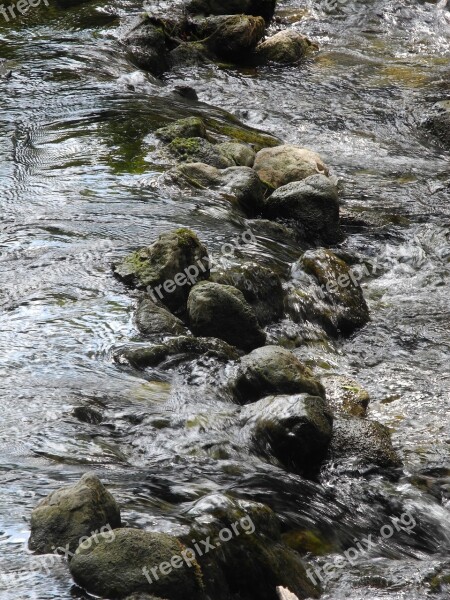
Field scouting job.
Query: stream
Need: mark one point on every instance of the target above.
(79, 189)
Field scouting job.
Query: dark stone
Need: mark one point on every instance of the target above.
(146, 46)
(153, 319)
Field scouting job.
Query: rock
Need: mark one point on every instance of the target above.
(273, 370)
(167, 268)
(312, 204)
(240, 183)
(263, 8)
(115, 568)
(362, 442)
(221, 311)
(71, 513)
(284, 47)
(192, 127)
(254, 560)
(340, 290)
(261, 288)
(86, 414)
(231, 37)
(199, 150)
(153, 319)
(283, 164)
(144, 355)
(292, 430)
(189, 54)
(146, 46)
(345, 395)
(438, 121)
(241, 154)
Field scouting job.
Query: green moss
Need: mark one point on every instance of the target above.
(185, 146)
(238, 132)
(186, 237)
(305, 540)
(438, 581)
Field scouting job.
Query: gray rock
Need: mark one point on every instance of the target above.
(221, 311)
(342, 292)
(345, 395)
(280, 165)
(272, 370)
(242, 154)
(199, 150)
(167, 268)
(261, 288)
(183, 347)
(284, 47)
(114, 568)
(146, 46)
(312, 204)
(263, 8)
(153, 319)
(71, 513)
(292, 430)
(192, 127)
(362, 442)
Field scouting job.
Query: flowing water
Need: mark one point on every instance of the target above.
(79, 189)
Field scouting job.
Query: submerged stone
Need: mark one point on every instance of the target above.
(72, 513)
(221, 311)
(294, 430)
(438, 121)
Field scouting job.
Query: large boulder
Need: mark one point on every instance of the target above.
(199, 150)
(273, 370)
(231, 37)
(263, 8)
(339, 288)
(293, 430)
(261, 287)
(192, 127)
(182, 348)
(284, 47)
(241, 184)
(438, 121)
(122, 566)
(283, 164)
(312, 205)
(153, 319)
(71, 513)
(221, 311)
(168, 268)
(146, 46)
(362, 442)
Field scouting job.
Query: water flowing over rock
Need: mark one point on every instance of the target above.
(263, 8)
(72, 513)
(221, 311)
(295, 430)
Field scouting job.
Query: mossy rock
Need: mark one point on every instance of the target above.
(235, 130)
(199, 150)
(191, 127)
(241, 154)
(272, 370)
(307, 541)
(346, 395)
(115, 568)
(72, 513)
(285, 47)
(168, 268)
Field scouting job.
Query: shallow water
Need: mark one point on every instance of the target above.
(78, 191)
